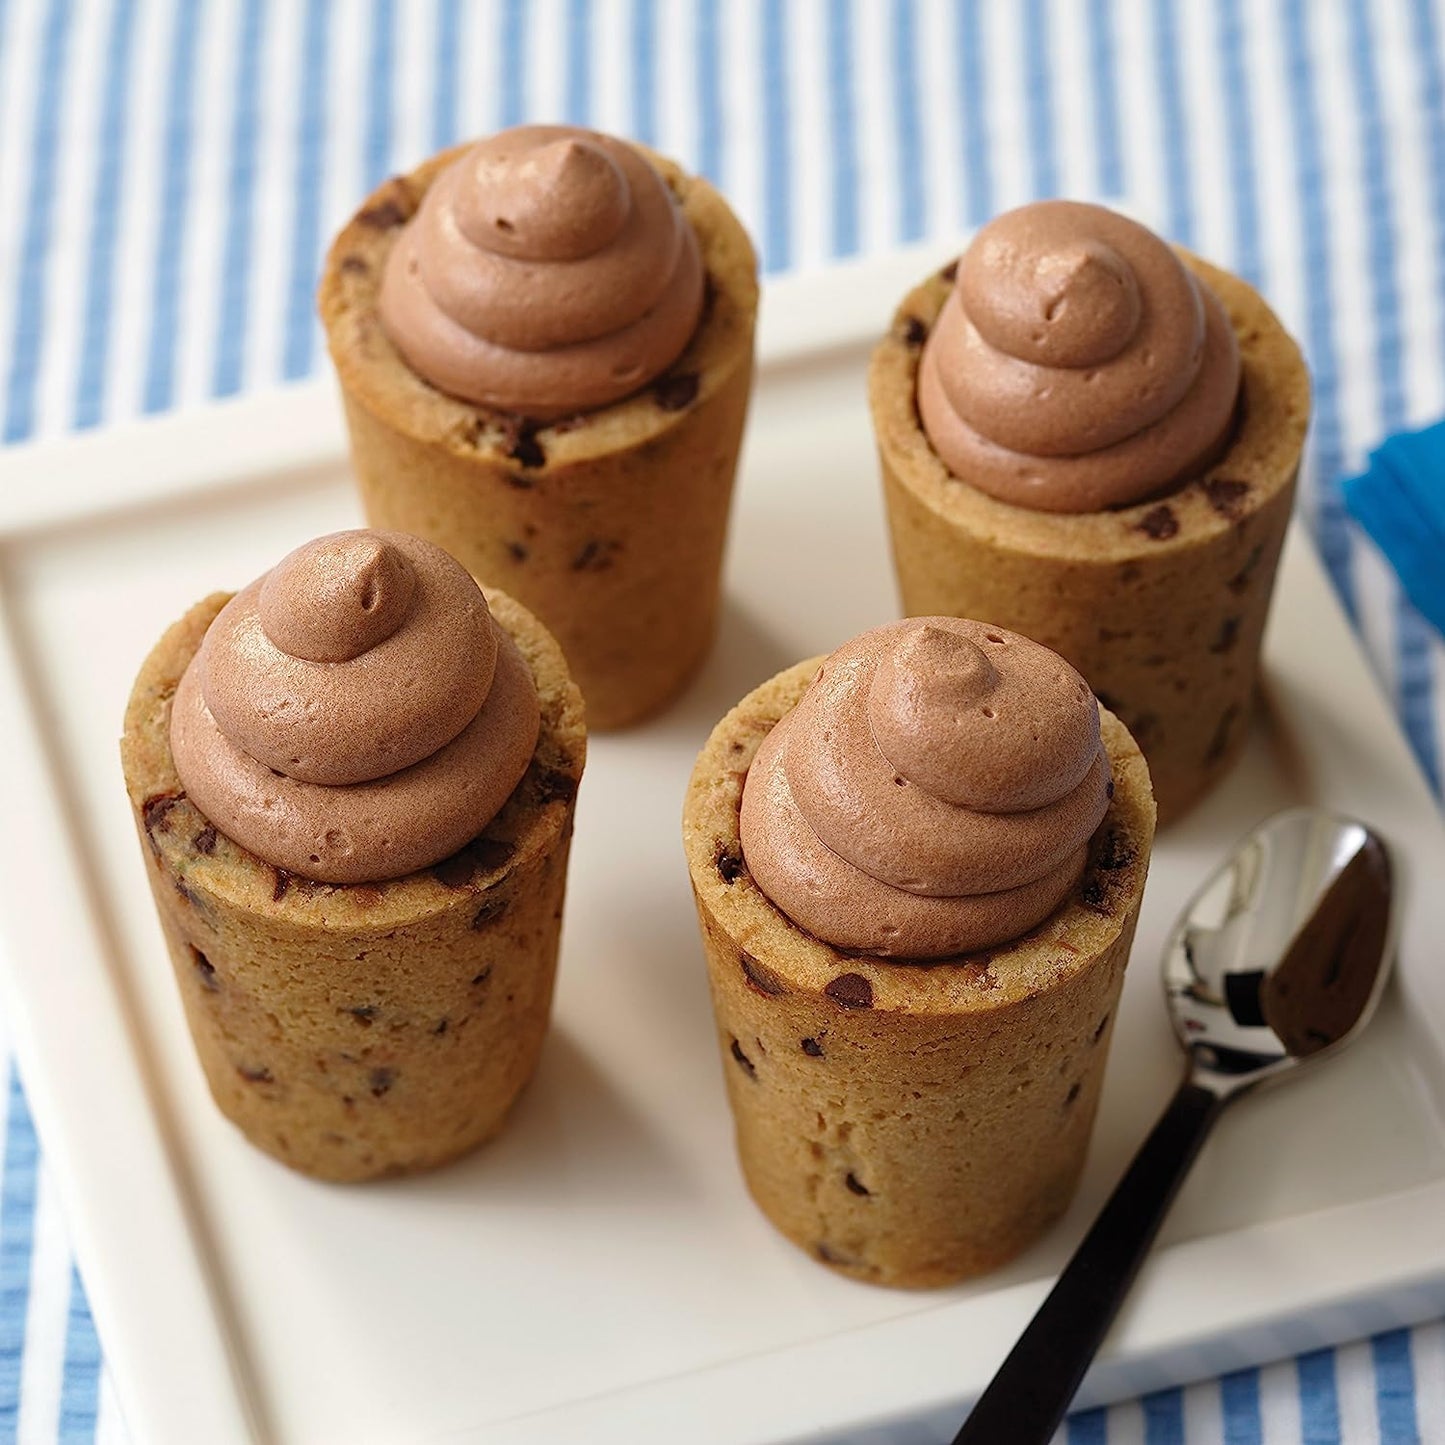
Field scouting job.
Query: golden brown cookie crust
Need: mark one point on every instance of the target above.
(373, 371)
(1260, 461)
(909, 1124)
(1161, 605)
(362, 1029)
(609, 525)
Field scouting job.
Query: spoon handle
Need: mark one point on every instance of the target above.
(1027, 1398)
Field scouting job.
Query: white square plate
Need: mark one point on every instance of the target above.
(599, 1273)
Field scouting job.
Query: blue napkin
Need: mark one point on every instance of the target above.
(1400, 501)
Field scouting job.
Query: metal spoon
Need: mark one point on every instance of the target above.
(1278, 960)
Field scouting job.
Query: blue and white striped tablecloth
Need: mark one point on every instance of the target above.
(170, 171)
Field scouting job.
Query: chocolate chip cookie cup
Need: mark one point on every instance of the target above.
(370, 997)
(1145, 557)
(911, 1120)
(545, 349)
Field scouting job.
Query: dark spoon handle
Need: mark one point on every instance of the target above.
(1027, 1398)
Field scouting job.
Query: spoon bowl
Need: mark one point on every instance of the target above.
(1277, 962)
(1282, 955)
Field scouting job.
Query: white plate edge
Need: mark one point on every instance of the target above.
(259, 437)
(118, 1155)
(1308, 1311)
(716, 1405)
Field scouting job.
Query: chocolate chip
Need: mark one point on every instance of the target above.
(441, 1027)
(522, 484)
(355, 266)
(489, 913)
(596, 556)
(813, 1048)
(481, 855)
(829, 1255)
(1073, 1093)
(1099, 1032)
(281, 886)
(556, 786)
(482, 977)
(383, 215)
(517, 551)
(205, 971)
(1219, 744)
(255, 1075)
(1225, 495)
(528, 451)
(188, 894)
(1094, 896)
(915, 333)
(1159, 523)
(1116, 852)
(855, 1186)
(381, 1081)
(851, 990)
(519, 441)
(676, 392)
(1227, 635)
(1242, 578)
(744, 1061)
(1109, 790)
(364, 1014)
(155, 810)
(730, 865)
(949, 272)
(205, 840)
(759, 977)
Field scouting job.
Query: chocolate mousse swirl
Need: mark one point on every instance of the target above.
(355, 714)
(548, 270)
(1078, 364)
(934, 792)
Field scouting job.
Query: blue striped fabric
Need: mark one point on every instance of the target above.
(240, 202)
(973, 101)
(80, 1384)
(1319, 1399)
(170, 171)
(17, 1235)
(1314, 231)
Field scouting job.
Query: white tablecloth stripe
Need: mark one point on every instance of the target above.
(170, 171)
